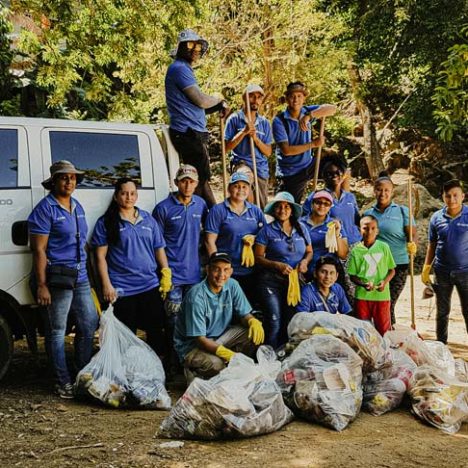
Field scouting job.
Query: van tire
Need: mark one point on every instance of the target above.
(6, 346)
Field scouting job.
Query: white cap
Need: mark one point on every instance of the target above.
(254, 88)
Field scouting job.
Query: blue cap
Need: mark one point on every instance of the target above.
(239, 177)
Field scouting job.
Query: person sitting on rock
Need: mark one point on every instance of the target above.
(205, 336)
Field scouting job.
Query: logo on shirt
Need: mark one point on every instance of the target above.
(147, 228)
(372, 262)
(60, 218)
(196, 215)
(176, 217)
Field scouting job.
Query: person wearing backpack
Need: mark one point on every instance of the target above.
(394, 229)
(57, 230)
(293, 135)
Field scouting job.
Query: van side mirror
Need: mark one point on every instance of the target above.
(19, 233)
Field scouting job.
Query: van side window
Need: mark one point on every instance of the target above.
(9, 158)
(104, 157)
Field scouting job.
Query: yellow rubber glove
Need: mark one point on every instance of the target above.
(224, 353)
(425, 275)
(294, 290)
(256, 332)
(165, 285)
(411, 248)
(248, 259)
(330, 238)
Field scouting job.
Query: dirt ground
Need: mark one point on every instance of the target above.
(39, 429)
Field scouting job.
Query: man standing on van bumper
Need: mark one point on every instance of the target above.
(187, 107)
(58, 230)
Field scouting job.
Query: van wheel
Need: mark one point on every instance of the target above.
(6, 346)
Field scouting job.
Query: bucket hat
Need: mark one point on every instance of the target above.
(296, 86)
(62, 167)
(189, 35)
(284, 197)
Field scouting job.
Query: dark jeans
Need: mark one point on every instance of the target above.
(192, 147)
(273, 291)
(79, 303)
(249, 286)
(297, 183)
(397, 284)
(144, 311)
(443, 288)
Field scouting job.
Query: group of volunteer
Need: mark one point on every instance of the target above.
(206, 280)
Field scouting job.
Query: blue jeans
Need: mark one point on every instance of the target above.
(443, 287)
(273, 293)
(79, 303)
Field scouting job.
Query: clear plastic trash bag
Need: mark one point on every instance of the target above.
(125, 372)
(321, 381)
(243, 400)
(360, 335)
(439, 398)
(421, 351)
(384, 390)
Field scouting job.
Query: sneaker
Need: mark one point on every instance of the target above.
(65, 391)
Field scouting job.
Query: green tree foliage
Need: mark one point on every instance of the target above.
(102, 59)
(451, 93)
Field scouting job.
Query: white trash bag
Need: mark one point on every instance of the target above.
(125, 372)
(439, 398)
(321, 381)
(243, 400)
(360, 335)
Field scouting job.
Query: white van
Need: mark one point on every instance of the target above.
(106, 151)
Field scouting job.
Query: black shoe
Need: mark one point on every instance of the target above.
(65, 391)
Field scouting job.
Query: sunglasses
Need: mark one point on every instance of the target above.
(196, 46)
(291, 245)
(322, 203)
(332, 173)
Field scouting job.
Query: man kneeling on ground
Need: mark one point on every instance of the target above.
(206, 336)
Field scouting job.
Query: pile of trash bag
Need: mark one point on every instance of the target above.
(384, 390)
(243, 400)
(125, 372)
(439, 398)
(360, 335)
(321, 381)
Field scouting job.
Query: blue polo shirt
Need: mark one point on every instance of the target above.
(345, 209)
(289, 165)
(183, 113)
(241, 153)
(205, 313)
(131, 264)
(181, 226)
(49, 218)
(283, 248)
(312, 300)
(451, 238)
(317, 235)
(392, 223)
(231, 228)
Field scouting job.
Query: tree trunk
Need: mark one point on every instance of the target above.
(371, 146)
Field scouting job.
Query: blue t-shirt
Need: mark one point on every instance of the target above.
(345, 209)
(183, 113)
(451, 238)
(317, 235)
(51, 219)
(392, 223)
(313, 301)
(241, 153)
(131, 263)
(279, 247)
(181, 227)
(231, 228)
(289, 165)
(205, 313)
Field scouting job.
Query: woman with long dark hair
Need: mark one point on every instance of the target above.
(282, 250)
(129, 248)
